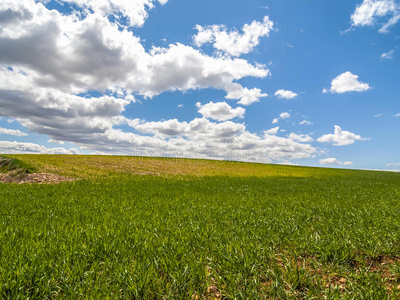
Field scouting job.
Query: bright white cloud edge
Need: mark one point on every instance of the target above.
(12, 132)
(340, 137)
(347, 82)
(220, 111)
(334, 161)
(285, 94)
(232, 42)
(386, 13)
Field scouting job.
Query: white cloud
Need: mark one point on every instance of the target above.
(347, 82)
(183, 68)
(283, 115)
(17, 147)
(301, 138)
(164, 128)
(328, 161)
(233, 42)
(284, 94)
(134, 11)
(397, 115)
(306, 122)
(384, 170)
(12, 132)
(220, 111)
(47, 59)
(197, 127)
(334, 161)
(388, 55)
(272, 131)
(65, 51)
(61, 116)
(55, 142)
(393, 164)
(225, 140)
(340, 137)
(371, 12)
(180, 105)
(245, 95)
(378, 115)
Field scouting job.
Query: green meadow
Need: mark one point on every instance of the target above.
(155, 228)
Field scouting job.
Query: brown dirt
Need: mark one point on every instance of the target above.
(40, 178)
(381, 265)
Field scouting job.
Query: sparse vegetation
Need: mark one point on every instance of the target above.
(13, 169)
(199, 230)
(8, 164)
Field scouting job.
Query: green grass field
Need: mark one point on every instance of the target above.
(144, 228)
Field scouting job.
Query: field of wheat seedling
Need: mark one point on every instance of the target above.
(145, 228)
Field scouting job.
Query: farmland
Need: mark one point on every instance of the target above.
(147, 228)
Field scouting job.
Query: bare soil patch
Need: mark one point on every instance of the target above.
(40, 178)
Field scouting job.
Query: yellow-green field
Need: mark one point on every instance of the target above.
(147, 228)
(93, 166)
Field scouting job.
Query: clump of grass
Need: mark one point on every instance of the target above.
(8, 164)
(14, 170)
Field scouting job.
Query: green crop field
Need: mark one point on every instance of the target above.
(146, 228)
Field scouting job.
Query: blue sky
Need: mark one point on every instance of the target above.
(295, 82)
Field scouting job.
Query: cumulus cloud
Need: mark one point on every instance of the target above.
(61, 116)
(245, 95)
(12, 132)
(233, 42)
(393, 164)
(197, 127)
(17, 147)
(284, 94)
(183, 68)
(328, 161)
(340, 137)
(397, 115)
(134, 11)
(334, 161)
(50, 60)
(65, 51)
(388, 55)
(227, 140)
(371, 12)
(203, 137)
(305, 122)
(301, 138)
(347, 82)
(283, 115)
(378, 115)
(272, 131)
(55, 142)
(220, 111)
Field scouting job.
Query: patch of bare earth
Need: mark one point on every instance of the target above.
(40, 178)
(212, 292)
(382, 265)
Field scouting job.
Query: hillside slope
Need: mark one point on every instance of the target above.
(244, 231)
(94, 166)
